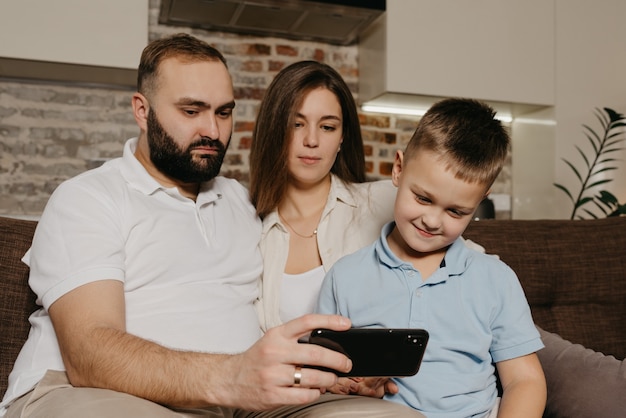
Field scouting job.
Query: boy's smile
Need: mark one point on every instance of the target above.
(432, 208)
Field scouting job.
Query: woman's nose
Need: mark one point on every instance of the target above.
(310, 138)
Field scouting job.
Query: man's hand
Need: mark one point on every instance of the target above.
(98, 352)
(264, 376)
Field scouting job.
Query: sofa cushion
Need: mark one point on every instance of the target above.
(17, 301)
(582, 383)
(573, 274)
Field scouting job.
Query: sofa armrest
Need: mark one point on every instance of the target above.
(17, 301)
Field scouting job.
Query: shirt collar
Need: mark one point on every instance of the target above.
(456, 259)
(339, 192)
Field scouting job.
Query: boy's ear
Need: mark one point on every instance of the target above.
(141, 107)
(397, 168)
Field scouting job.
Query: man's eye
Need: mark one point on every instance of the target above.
(190, 112)
(225, 113)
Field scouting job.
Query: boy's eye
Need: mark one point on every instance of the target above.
(457, 213)
(422, 199)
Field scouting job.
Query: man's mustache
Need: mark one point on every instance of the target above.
(207, 142)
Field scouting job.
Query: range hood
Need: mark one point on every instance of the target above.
(332, 21)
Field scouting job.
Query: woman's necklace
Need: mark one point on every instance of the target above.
(294, 231)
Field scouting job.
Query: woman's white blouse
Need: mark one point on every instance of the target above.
(352, 218)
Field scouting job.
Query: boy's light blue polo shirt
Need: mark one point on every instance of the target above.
(473, 306)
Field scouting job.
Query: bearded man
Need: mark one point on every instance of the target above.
(147, 269)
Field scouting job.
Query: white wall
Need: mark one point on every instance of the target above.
(109, 33)
(533, 157)
(590, 73)
(495, 50)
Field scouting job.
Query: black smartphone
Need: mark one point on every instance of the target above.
(391, 352)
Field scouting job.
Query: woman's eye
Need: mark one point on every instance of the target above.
(328, 128)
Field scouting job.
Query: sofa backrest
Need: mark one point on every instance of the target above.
(573, 274)
(17, 301)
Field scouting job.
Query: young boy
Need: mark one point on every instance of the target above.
(419, 274)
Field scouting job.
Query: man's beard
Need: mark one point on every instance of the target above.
(178, 163)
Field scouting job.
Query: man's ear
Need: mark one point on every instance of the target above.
(397, 167)
(141, 107)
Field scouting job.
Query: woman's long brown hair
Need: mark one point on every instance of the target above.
(269, 174)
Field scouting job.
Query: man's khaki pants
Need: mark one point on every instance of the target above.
(55, 397)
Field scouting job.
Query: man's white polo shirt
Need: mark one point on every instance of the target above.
(190, 269)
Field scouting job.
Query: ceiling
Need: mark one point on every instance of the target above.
(332, 21)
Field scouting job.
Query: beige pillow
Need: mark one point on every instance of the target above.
(582, 383)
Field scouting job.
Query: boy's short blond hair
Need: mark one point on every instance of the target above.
(465, 135)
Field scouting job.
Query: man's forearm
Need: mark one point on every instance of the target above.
(116, 360)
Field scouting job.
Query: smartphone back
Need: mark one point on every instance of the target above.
(391, 352)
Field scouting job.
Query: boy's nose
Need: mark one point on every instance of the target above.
(432, 219)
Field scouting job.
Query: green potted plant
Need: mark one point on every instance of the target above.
(597, 165)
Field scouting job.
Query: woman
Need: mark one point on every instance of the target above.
(307, 181)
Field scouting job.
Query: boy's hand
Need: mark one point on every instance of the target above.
(375, 387)
(344, 386)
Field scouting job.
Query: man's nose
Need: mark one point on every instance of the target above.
(209, 127)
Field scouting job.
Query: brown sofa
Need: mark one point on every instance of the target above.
(573, 273)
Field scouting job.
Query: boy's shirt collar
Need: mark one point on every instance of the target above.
(454, 263)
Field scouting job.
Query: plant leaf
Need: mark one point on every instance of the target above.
(565, 190)
(601, 208)
(582, 154)
(593, 139)
(593, 215)
(597, 183)
(601, 170)
(582, 201)
(613, 115)
(598, 164)
(580, 179)
(607, 197)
